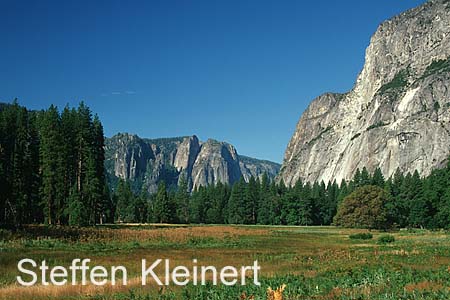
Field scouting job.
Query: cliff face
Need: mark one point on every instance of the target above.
(397, 116)
(145, 162)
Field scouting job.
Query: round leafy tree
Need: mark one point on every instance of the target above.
(364, 208)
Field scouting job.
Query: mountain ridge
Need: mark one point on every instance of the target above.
(145, 162)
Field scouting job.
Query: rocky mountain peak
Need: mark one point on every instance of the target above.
(145, 162)
(396, 116)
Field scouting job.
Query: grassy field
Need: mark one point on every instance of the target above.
(313, 262)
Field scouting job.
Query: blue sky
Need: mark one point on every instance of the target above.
(241, 71)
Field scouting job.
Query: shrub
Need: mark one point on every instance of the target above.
(361, 236)
(5, 235)
(386, 239)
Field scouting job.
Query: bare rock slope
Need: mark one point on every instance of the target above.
(397, 116)
(146, 162)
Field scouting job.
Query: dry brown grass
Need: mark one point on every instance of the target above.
(424, 286)
(179, 234)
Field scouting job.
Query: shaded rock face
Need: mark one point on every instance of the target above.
(146, 162)
(397, 116)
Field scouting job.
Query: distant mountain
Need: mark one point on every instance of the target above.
(145, 162)
(397, 116)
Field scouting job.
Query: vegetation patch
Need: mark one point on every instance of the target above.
(438, 66)
(399, 81)
(376, 125)
(361, 236)
(386, 239)
(320, 135)
(436, 106)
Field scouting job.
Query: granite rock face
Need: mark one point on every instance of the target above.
(397, 116)
(145, 162)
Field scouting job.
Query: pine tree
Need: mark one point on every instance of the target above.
(320, 205)
(126, 207)
(182, 200)
(98, 153)
(306, 206)
(50, 151)
(195, 207)
(264, 205)
(332, 194)
(365, 177)
(357, 180)
(378, 178)
(162, 205)
(68, 161)
(76, 211)
(343, 191)
(275, 194)
(236, 209)
(441, 201)
(419, 211)
(292, 205)
(251, 200)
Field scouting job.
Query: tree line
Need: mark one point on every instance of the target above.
(411, 201)
(51, 167)
(52, 172)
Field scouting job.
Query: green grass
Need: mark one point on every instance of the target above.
(314, 262)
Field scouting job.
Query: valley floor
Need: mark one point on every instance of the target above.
(313, 262)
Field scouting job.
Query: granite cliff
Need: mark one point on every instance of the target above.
(397, 116)
(145, 162)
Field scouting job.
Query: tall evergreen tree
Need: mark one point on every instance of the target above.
(264, 206)
(50, 151)
(251, 200)
(306, 206)
(162, 204)
(419, 211)
(365, 177)
(236, 208)
(378, 178)
(182, 200)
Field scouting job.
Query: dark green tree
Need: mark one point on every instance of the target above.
(364, 208)
(182, 200)
(264, 206)
(378, 178)
(162, 207)
(236, 209)
(419, 207)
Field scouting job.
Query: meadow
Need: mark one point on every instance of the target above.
(313, 262)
